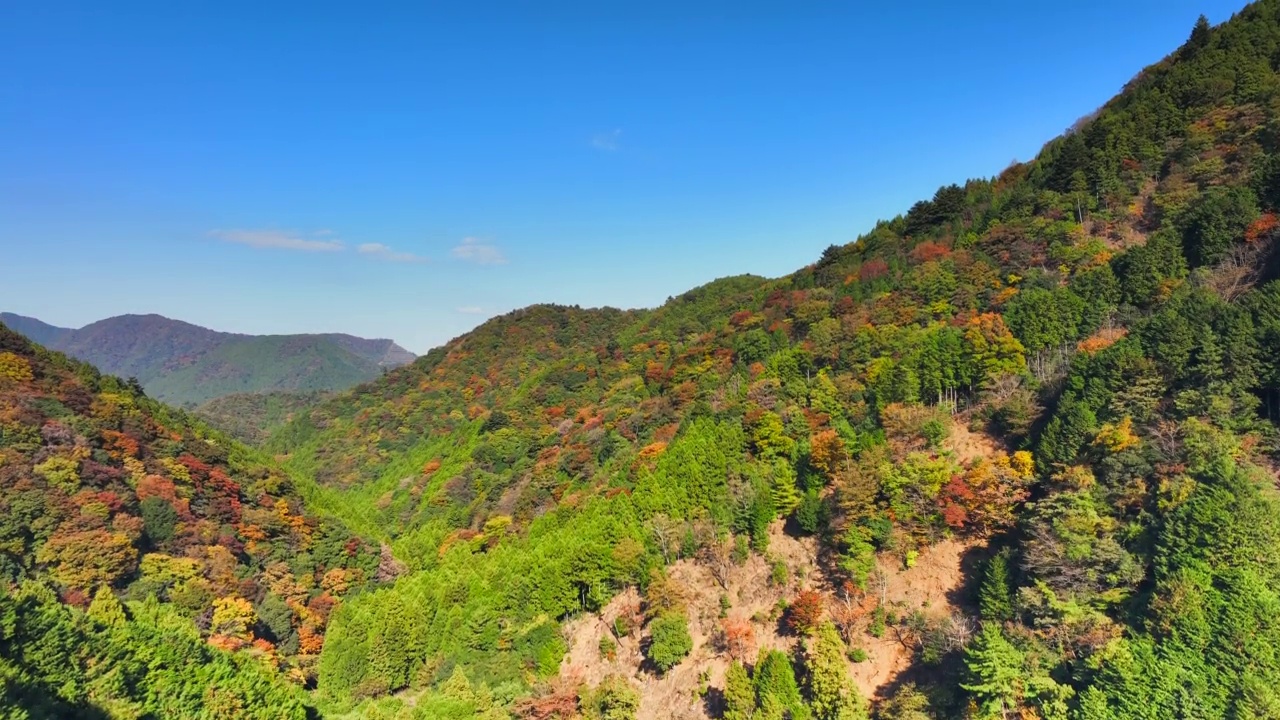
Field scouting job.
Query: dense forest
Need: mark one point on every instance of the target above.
(138, 548)
(1105, 317)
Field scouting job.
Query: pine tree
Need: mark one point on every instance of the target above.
(739, 696)
(995, 601)
(995, 671)
(831, 690)
(775, 683)
(1199, 34)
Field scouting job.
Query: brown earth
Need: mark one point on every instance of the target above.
(926, 586)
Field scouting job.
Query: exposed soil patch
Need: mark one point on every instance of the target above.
(927, 586)
(967, 445)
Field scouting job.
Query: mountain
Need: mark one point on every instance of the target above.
(185, 364)
(37, 331)
(138, 548)
(1009, 454)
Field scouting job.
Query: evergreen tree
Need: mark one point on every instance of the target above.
(995, 597)
(995, 673)
(107, 609)
(775, 684)
(739, 695)
(669, 640)
(831, 690)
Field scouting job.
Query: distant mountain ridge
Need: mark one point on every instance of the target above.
(183, 364)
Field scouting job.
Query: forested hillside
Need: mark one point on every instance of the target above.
(138, 549)
(252, 417)
(185, 365)
(1105, 317)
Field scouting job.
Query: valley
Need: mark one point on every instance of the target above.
(1009, 454)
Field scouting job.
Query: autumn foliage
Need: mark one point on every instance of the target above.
(805, 611)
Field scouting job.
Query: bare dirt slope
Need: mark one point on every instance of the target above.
(679, 693)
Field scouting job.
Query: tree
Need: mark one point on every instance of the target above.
(739, 695)
(669, 640)
(1042, 319)
(775, 682)
(718, 557)
(158, 519)
(737, 637)
(826, 453)
(805, 612)
(908, 703)
(107, 609)
(995, 671)
(232, 617)
(1199, 34)
(88, 559)
(1217, 221)
(613, 699)
(995, 596)
(14, 368)
(664, 594)
(666, 533)
(831, 690)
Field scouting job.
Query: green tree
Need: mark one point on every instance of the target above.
(158, 519)
(831, 690)
(107, 609)
(994, 669)
(613, 699)
(669, 640)
(1043, 319)
(995, 596)
(776, 687)
(739, 695)
(908, 703)
(1216, 221)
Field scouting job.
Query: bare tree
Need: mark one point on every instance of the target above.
(958, 630)
(1240, 269)
(718, 557)
(666, 532)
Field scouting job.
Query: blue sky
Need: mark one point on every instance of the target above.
(408, 169)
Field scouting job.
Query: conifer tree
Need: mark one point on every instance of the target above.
(995, 671)
(831, 690)
(739, 696)
(995, 601)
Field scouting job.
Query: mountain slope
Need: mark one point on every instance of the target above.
(106, 495)
(37, 331)
(252, 417)
(1107, 313)
(186, 364)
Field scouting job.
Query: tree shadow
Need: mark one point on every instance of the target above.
(35, 702)
(938, 681)
(713, 702)
(972, 564)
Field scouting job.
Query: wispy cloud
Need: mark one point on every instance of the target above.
(477, 251)
(384, 252)
(279, 239)
(607, 141)
(471, 310)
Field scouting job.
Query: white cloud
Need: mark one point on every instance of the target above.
(471, 310)
(607, 141)
(473, 250)
(279, 239)
(386, 253)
